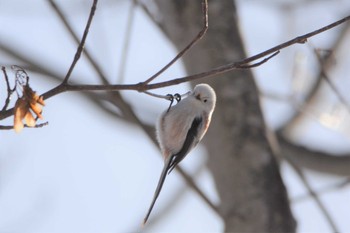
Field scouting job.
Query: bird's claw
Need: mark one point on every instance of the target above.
(171, 97)
(177, 97)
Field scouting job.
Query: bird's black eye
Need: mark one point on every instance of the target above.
(205, 100)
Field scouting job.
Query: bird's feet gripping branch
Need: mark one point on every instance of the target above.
(171, 97)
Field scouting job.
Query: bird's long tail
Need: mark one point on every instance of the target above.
(159, 187)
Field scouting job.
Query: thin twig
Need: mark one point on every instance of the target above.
(192, 184)
(314, 196)
(276, 151)
(167, 97)
(30, 64)
(325, 76)
(307, 100)
(189, 46)
(126, 44)
(9, 127)
(260, 62)
(83, 39)
(9, 90)
(229, 67)
(329, 188)
(214, 72)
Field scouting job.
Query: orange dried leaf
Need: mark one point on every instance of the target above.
(37, 109)
(30, 121)
(40, 100)
(29, 100)
(21, 109)
(18, 126)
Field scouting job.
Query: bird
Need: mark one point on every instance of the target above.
(181, 128)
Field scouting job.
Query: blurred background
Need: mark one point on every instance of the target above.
(92, 169)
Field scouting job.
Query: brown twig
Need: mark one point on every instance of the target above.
(329, 188)
(126, 44)
(9, 90)
(324, 162)
(229, 67)
(83, 39)
(276, 150)
(214, 72)
(324, 75)
(311, 158)
(189, 46)
(142, 87)
(311, 94)
(314, 196)
(258, 63)
(10, 127)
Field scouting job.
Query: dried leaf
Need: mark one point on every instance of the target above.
(29, 101)
(18, 126)
(40, 100)
(30, 121)
(37, 109)
(21, 109)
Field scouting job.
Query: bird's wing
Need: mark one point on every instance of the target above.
(190, 141)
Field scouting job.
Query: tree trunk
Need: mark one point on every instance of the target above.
(253, 196)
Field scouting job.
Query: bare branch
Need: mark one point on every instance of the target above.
(83, 39)
(279, 153)
(260, 62)
(76, 39)
(324, 75)
(314, 196)
(326, 162)
(10, 127)
(126, 45)
(189, 46)
(9, 90)
(329, 188)
(312, 92)
(229, 67)
(193, 185)
(143, 87)
(315, 160)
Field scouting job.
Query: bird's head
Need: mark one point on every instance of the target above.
(206, 95)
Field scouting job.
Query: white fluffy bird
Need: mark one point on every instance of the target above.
(181, 128)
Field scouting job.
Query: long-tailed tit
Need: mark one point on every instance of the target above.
(181, 128)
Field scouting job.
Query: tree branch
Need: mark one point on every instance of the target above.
(189, 46)
(9, 90)
(279, 153)
(324, 162)
(315, 160)
(126, 43)
(10, 127)
(64, 86)
(83, 39)
(335, 90)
